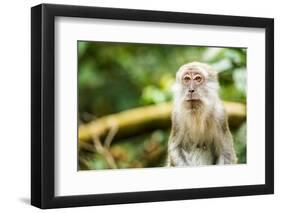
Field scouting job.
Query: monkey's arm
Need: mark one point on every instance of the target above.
(175, 155)
(227, 153)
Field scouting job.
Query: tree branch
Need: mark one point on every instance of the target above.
(135, 121)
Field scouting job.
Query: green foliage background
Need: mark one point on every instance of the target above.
(117, 76)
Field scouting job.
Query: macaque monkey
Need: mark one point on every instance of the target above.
(200, 133)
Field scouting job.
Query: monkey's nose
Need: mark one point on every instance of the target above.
(191, 90)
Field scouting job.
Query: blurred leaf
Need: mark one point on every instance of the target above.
(240, 143)
(151, 94)
(211, 54)
(239, 76)
(82, 46)
(234, 56)
(222, 65)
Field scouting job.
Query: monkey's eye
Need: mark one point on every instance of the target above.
(186, 78)
(198, 78)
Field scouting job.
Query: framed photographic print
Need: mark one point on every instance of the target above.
(140, 106)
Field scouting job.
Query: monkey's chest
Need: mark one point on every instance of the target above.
(196, 156)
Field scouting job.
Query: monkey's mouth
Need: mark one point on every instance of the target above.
(193, 103)
(191, 99)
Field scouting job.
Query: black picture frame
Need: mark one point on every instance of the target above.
(43, 102)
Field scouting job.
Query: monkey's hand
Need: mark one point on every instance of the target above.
(227, 155)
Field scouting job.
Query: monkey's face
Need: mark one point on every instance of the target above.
(197, 85)
(192, 81)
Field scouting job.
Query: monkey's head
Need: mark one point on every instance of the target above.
(196, 85)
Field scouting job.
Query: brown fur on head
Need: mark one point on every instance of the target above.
(196, 85)
(207, 69)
